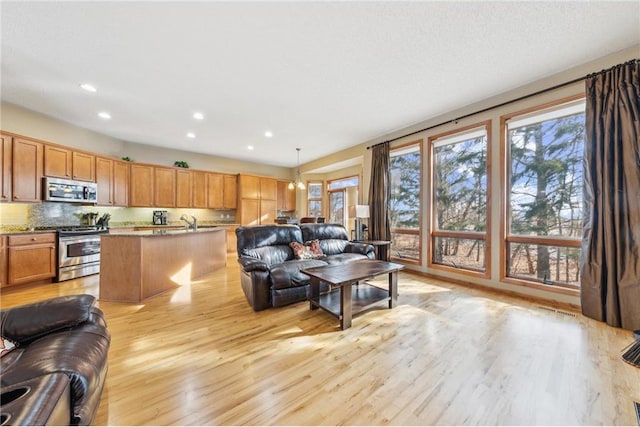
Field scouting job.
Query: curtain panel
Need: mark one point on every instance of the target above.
(380, 194)
(610, 265)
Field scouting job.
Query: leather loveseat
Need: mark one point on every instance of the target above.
(270, 272)
(56, 372)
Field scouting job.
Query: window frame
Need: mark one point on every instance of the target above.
(474, 235)
(505, 200)
(315, 199)
(409, 231)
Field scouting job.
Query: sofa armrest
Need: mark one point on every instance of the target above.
(28, 322)
(360, 248)
(249, 264)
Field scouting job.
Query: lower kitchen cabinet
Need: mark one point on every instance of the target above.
(30, 258)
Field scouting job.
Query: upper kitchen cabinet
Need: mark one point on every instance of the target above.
(83, 166)
(230, 184)
(120, 183)
(222, 191)
(164, 187)
(286, 197)
(5, 164)
(104, 180)
(62, 162)
(27, 170)
(199, 182)
(184, 189)
(257, 196)
(57, 161)
(112, 178)
(141, 185)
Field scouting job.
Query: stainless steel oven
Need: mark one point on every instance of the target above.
(78, 253)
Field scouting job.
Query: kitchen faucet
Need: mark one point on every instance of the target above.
(193, 225)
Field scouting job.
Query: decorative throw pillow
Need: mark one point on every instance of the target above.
(316, 250)
(6, 345)
(301, 251)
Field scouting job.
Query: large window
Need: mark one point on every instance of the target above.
(405, 207)
(460, 210)
(544, 198)
(314, 199)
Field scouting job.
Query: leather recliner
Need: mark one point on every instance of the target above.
(270, 274)
(60, 358)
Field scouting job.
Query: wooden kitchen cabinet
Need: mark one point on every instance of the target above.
(27, 170)
(164, 187)
(257, 197)
(57, 161)
(112, 179)
(62, 162)
(199, 189)
(184, 189)
(83, 166)
(31, 258)
(230, 197)
(232, 240)
(120, 183)
(268, 189)
(141, 185)
(286, 197)
(222, 191)
(104, 181)
(215, 189)
(5, 164)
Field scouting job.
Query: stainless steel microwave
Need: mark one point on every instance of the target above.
(67, 190)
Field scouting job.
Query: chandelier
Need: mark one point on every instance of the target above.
(298, 182)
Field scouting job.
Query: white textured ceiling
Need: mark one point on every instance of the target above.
(322, 76)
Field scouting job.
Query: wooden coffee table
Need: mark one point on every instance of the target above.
(347, 300)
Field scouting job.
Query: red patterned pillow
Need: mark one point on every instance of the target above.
(6, 345)
(314, 245)
(301, 251)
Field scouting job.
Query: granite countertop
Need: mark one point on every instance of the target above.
(167, 232)
(10, 232)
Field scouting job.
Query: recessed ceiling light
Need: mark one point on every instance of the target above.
(250, 147)
(268, 134)
(104, 115)
(198, 115)
(191, 135)
(88, 87)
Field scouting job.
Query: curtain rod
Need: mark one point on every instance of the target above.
(540, 92)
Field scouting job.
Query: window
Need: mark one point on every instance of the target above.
(342, 193)
(339, 184)
(405, 167)
(314, 199)
(544, 194)
(460, 210)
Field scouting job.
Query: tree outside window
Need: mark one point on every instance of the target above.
(545, 195)
(314, 199)
(459, 209)
(404, 206)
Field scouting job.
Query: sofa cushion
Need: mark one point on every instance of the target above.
(270, 254)
(28, 322)
(287, 274)
(269, 243)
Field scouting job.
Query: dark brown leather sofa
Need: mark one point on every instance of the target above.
(56, 373)
(270, 274)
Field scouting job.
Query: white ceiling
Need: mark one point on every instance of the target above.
(321, 76)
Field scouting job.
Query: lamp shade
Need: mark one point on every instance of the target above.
(359, 211)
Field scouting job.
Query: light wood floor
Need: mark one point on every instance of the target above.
(446, 355)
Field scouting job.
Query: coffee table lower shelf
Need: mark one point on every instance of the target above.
(363, 297)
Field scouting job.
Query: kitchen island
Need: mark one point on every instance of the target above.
(138, 265)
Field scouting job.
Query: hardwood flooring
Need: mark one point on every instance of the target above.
(199, 355)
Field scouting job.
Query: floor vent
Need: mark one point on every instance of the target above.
(553, 310)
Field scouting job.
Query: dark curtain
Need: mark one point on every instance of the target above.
(610, 266)
(379, 195)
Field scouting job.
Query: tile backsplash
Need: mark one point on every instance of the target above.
(46, 214)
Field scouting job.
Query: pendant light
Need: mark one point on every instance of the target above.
(298, 182)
